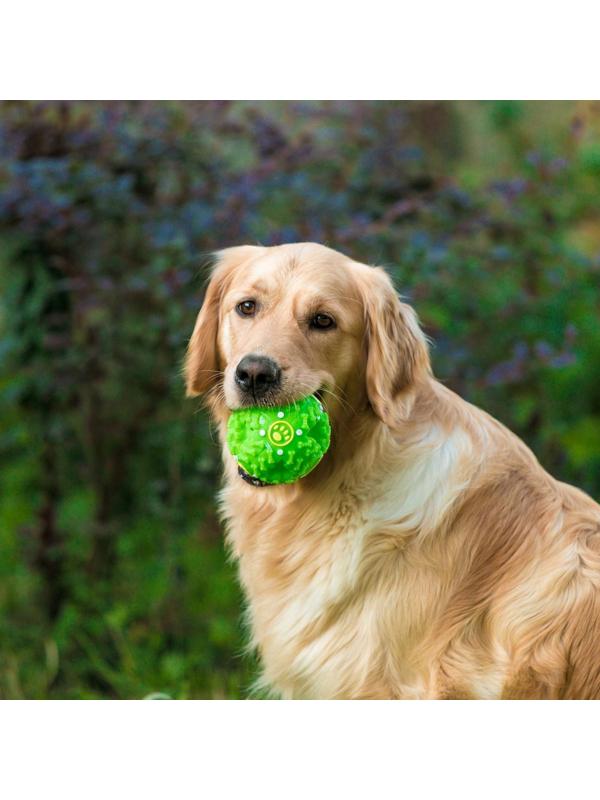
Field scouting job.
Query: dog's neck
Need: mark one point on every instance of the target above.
(361, 445)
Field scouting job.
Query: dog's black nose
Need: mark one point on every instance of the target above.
(257, 374)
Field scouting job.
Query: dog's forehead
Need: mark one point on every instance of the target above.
(307, 267)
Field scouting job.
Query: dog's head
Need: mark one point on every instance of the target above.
(279, 323)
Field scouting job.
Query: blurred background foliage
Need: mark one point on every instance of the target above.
(113, 578)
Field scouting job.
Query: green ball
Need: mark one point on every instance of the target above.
(279, 444)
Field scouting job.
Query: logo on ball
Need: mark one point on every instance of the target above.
(280, 433)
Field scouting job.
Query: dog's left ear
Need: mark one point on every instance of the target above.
(396, 350)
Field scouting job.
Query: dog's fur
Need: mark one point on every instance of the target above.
(429, 555)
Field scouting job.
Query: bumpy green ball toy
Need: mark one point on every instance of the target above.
(280, 444)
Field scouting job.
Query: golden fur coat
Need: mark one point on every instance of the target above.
(429, 555)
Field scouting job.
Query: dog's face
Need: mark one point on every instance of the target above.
(288, 329)
(284, 322)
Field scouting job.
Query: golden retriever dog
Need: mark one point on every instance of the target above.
(428, 555)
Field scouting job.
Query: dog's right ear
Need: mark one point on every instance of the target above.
(397, 353)
(201, 368)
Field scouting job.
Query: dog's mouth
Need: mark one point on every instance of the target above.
(252, 480)
(267, 400)
(245, 476)
(272, 399)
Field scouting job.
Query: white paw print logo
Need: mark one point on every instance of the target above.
(279, 433)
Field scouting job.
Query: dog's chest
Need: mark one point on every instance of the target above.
(300, 567)
(320, 581)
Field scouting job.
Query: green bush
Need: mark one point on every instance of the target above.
(114, 580)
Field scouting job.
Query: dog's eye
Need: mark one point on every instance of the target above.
(322, 322)
(247, 308)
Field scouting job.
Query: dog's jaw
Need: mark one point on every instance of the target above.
(245, 476)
